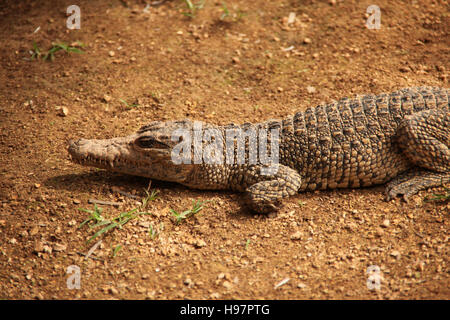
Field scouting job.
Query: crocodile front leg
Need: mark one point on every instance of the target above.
(265, 191)
(425, 140)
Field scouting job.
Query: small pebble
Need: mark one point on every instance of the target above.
(200, 243)
(282, 282)
(395, 254)
(59, 247)
(106, 98)
(296, 236)
(112, 290)
(310, 89)
(227, 284)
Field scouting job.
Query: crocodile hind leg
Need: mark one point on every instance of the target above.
(265, 191)
(424, 138)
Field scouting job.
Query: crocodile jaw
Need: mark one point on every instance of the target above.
(111, 154)
(121, 155)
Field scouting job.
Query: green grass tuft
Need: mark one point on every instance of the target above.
(196, 207)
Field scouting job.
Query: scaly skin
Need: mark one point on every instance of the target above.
(402, 137)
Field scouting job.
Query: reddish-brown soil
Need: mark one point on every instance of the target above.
(205, 68)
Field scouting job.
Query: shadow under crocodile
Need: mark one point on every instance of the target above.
(104, 181)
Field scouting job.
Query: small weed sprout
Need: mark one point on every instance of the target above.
(301, 203)
(57, 46)
(116, 222)
(236, 16)
(196, 207)
(192, 8)
(116, 249)
(153, 232)
(439, 196)
(247, 243)
(36, 52)
(127, 105)
(95, 215)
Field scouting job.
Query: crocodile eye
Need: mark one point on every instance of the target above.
(150, 143)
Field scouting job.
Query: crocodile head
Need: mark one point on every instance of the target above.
(146, 153)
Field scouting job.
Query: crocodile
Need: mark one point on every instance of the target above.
(401, 139)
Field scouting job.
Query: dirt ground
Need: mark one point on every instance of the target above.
(143, 63)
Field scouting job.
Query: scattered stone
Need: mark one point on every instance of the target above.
(307, 41)
(34, 231)
(71, 223)
(59, 247)
(107, 98)
(188, 282)
(111, 53)
(76, 201)
(39, 296)
(228, 285)
(214, 295)
(282, 282)
(404, 69)
(386, 223)
(395, 254)
(288, 48)
(200, 243)
(258, 260)
(351, 226)
(28, 103)
(144, 224)
(280, 89)
(112, 290)
(310, 89)
(380, 232)
(301, 286)
(140, 289)
(296, 235)
(236, 60)
(47, 249)
(62, 111)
